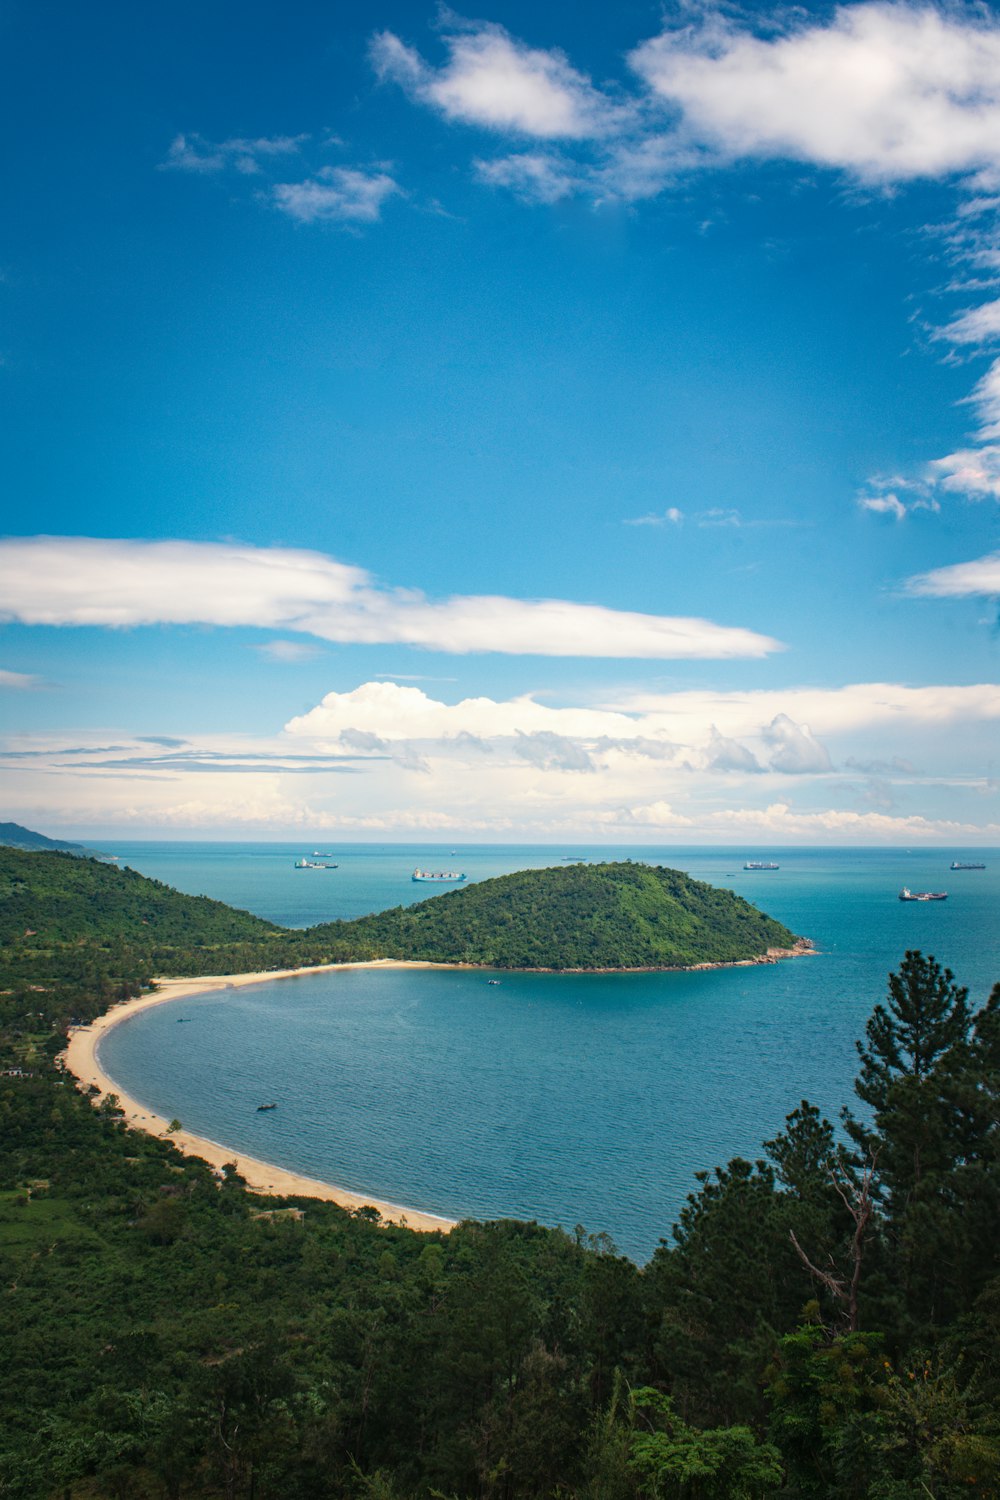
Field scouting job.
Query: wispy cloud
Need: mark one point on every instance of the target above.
(897, 497)
(91, 581)
(980, 578)
(19, 681)
(669, 517)
(340, 195)
(289, 652)
(193, 153)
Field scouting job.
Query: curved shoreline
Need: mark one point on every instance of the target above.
(81, 1058)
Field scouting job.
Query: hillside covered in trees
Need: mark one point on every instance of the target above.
(599, 916)
(571, 917)
(822, 1323)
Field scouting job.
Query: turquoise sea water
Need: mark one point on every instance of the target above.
(568, 1098)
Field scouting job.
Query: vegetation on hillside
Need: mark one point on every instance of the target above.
(600, 916)
(166, 1334)
(822, 1323)
(571, 917)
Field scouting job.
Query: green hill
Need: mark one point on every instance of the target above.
(608, 916)
(611, 916)
(62, 898)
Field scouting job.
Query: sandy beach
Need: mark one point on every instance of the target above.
(81, 1059)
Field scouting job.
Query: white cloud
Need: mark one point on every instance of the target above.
(91, 581)
(961, 580)
(552, 752)
(970, 471)
(17, 680)
(887, 92)
(669, 517)
(289, 651)
(886, 505)
(407, 713)
(794, 748)
(729, 755)
(193, 153)
(828, 711)
(986, 399)
(495, 81)
(977, 325)
(342, 195)
(535, 177)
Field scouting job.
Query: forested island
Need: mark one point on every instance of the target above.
(822, 1323)
(602, 916)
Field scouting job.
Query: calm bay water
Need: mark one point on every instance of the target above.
(568, 1098)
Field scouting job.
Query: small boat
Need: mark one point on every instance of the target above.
(960, 864)
(907, 895)
(760, 864)
(437, 875)
(262, 1107)
(492, 981)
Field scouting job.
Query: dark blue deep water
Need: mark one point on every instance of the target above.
(566, 1098)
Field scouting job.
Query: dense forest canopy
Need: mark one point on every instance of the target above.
(571, 917)
(598, 916)
(822, 1323)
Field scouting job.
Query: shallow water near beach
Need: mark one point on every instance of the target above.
(572, 1099)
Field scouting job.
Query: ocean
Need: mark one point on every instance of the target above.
(571, 1099)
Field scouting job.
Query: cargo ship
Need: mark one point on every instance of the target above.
(907, 895)
(961, 864)
(760, 864)
(437, 875)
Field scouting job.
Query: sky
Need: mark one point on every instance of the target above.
(552, 424)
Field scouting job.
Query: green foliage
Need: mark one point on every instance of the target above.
(161, 1342)
(607, 916)
(675, 1460)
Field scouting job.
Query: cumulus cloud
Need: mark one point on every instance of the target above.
(342, 195)
(887, 92)
(90, 581)
(794, 748)
(492, 80)
(960, 580)
(407, 713)
(729, 755)
(552, 752)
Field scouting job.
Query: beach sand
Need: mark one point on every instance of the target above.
(80, 1058)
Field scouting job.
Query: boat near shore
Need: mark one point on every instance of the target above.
(907, 895)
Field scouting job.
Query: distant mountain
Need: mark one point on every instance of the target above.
(13, 836)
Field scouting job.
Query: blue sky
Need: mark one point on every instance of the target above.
(545, 423)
